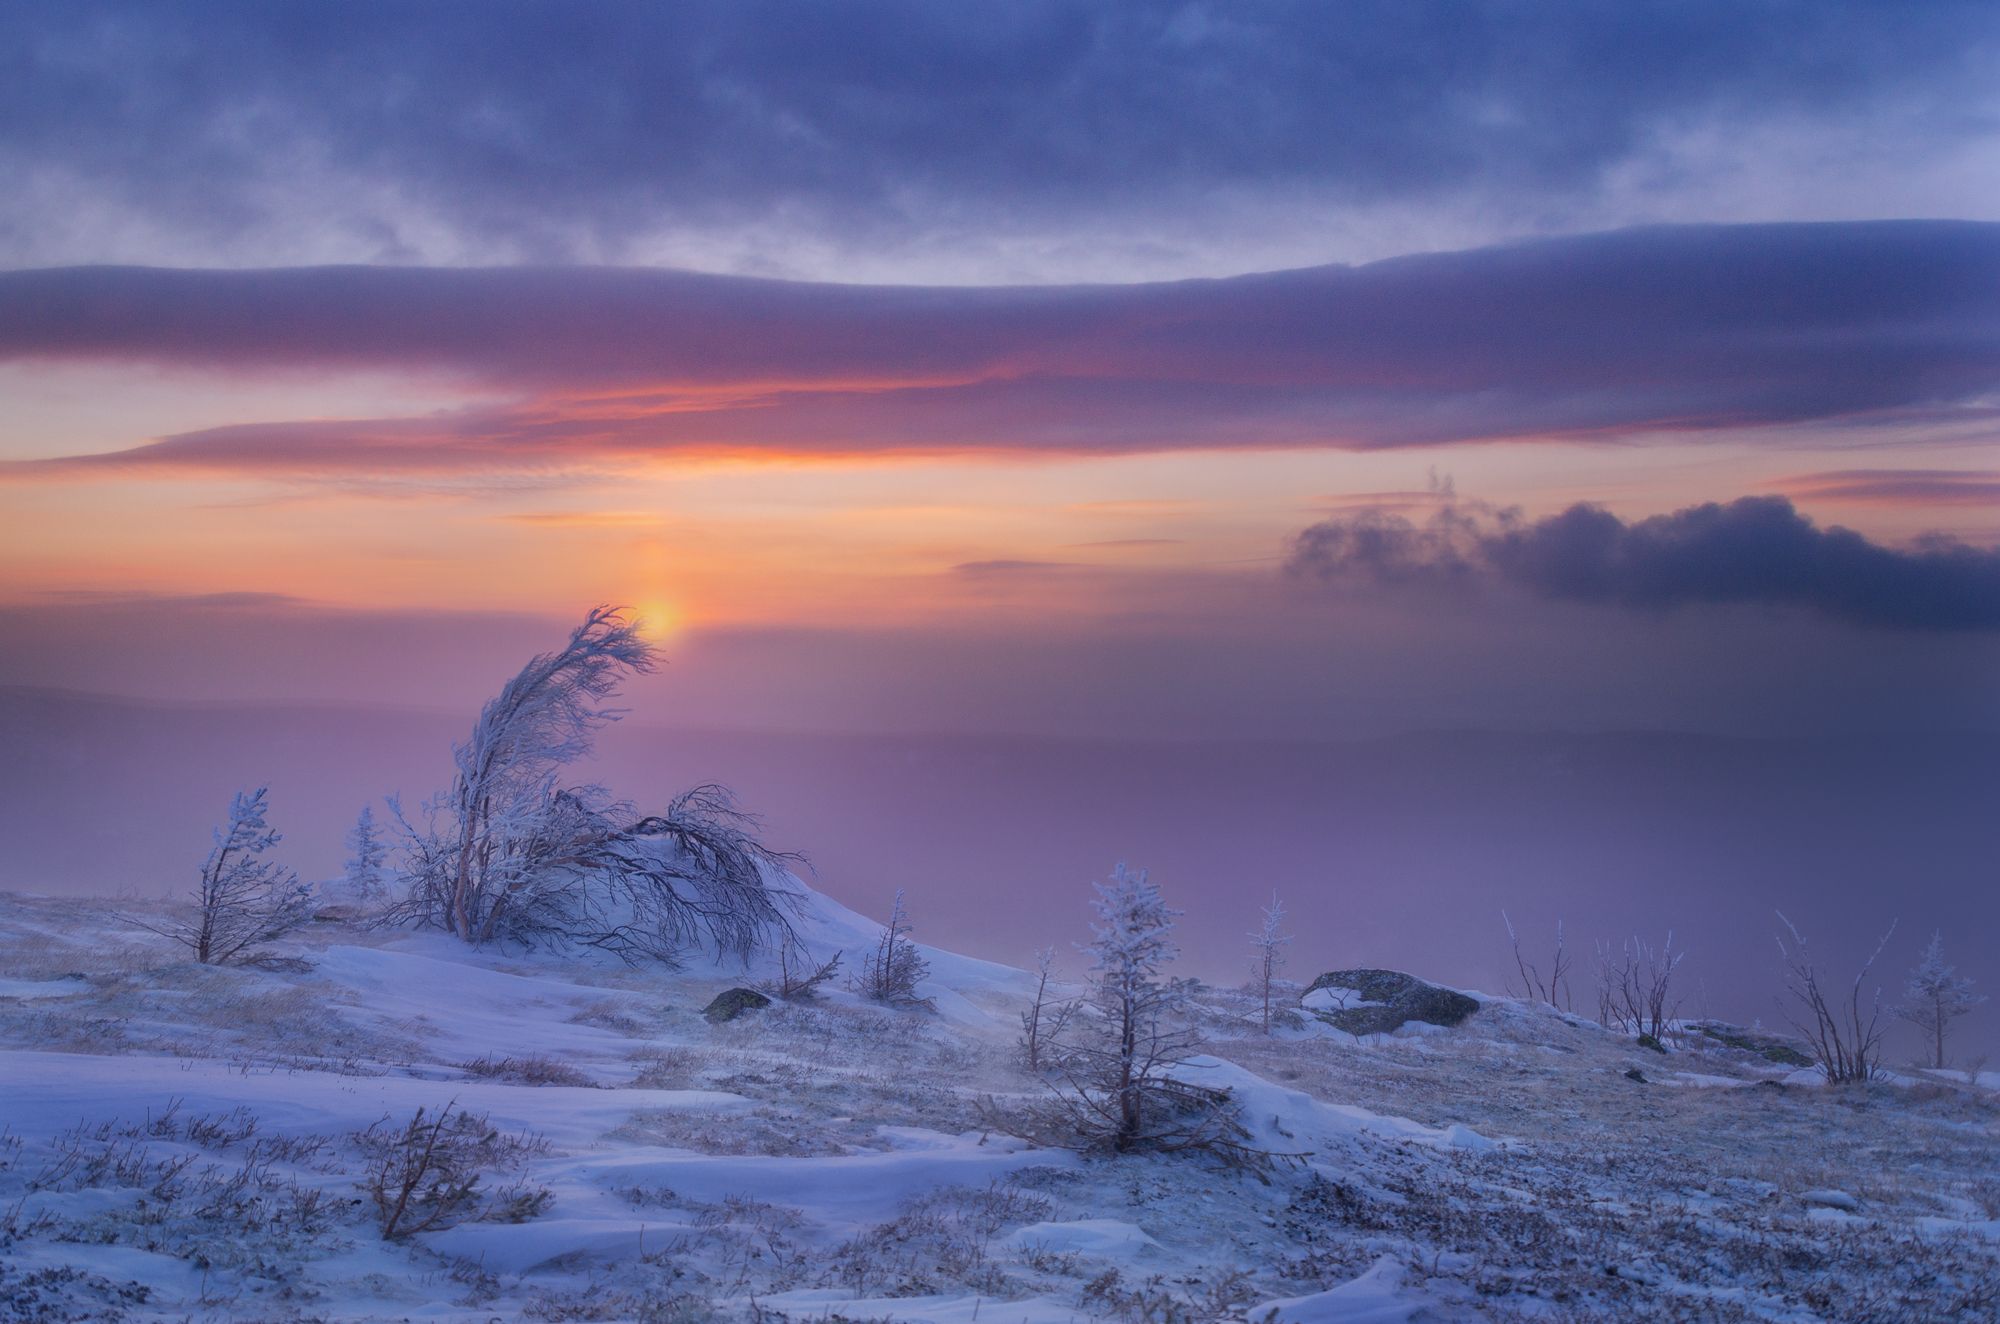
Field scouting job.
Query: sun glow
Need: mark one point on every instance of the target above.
(661, 621)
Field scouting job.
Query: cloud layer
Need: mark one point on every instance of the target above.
(1669, 329)
(1756, 550)
(1055, 134)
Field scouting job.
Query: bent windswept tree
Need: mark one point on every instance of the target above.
(512, 853)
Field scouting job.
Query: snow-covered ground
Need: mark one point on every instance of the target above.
(187, 1142)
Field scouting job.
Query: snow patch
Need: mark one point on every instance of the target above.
(1103, 1237)
(1376, 1297)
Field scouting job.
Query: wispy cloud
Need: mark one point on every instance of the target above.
(1002, 569)
(587, 519)
(1903, 487)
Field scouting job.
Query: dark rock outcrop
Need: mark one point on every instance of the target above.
(733, 1002)
(1770, 1047)
(1392, 999)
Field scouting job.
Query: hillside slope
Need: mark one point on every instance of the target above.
(179, 1141)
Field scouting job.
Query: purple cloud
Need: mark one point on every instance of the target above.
(1757, 550)
(1609, 335)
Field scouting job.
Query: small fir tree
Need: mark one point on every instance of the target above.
(1269, 944)
(367, 873)
(1938, 995)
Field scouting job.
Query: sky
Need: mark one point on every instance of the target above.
(1109, 371)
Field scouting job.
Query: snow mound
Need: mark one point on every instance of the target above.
(1289, 1121)
(825, 926)
(1376, 1297)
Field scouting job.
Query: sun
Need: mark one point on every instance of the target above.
(660, 621)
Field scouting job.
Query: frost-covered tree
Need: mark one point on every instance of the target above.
(242, 900)
(1938, 995)
(367, 874)
(891, 973)
(508, 821)
(1120, 1082)
(511, 852)
(1269, 942)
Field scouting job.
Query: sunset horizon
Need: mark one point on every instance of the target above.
(1402, 595)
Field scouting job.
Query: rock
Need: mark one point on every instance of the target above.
(1378, 1001)
(733, 1002)
(1767, 1046)
(1648, 1041)
(1634, 1073)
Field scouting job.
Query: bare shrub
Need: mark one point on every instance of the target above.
(1553, 988)
(1846, 1038)
(425, 1174)
(890, 974)
(1044, 1020)
(940, 1239)
(799, 976)
(242, 900)
(1635, 987)
(533, 1070)
(669, 1069)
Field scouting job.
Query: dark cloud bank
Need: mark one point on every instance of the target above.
(1663, 329)
(1756, 550)
(564, 131)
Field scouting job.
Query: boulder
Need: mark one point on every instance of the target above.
(733, 1002)
(1378, 1001)
(1770, 1047)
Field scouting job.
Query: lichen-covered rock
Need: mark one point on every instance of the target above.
(1378, 1001)
(733, 1002)
(1770, 1047)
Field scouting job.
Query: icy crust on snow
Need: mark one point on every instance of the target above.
(834, 1159)
(28, 989)
(49, 1092)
